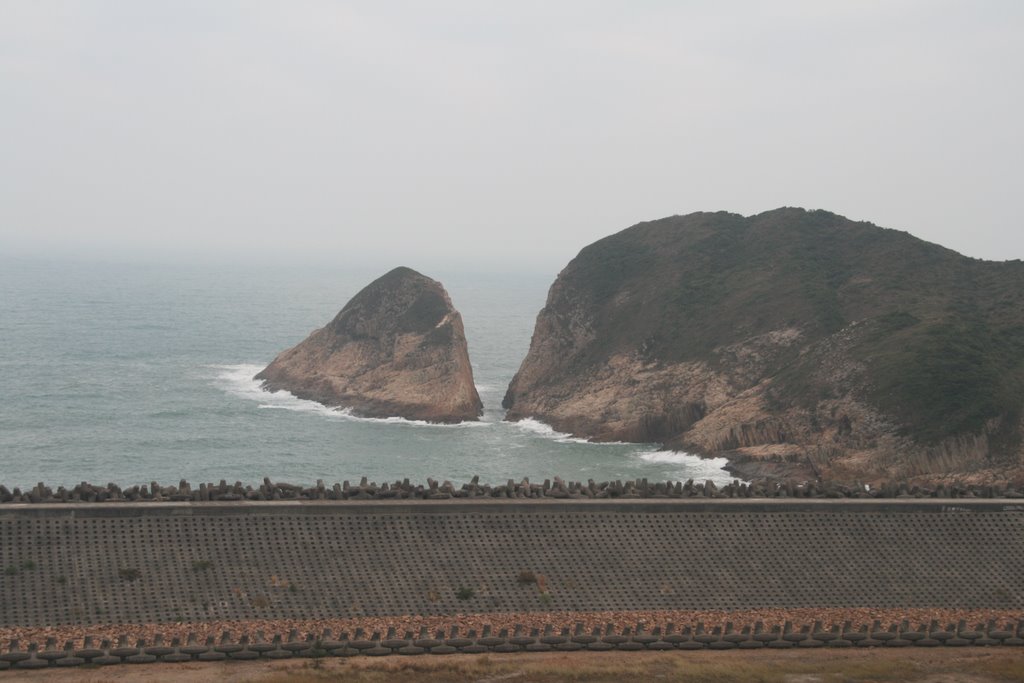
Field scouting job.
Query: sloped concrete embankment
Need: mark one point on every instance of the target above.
(182, 562)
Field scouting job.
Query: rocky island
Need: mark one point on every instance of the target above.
(397, 349)
(795, 343)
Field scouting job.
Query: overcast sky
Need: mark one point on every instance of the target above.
(497, 134)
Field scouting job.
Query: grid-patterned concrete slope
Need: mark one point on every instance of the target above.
(169, 562)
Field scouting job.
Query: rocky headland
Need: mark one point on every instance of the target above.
(795, 343)
(397, 349)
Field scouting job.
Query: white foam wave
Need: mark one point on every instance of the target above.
(694, 467)
(239, 380)
(538, 428)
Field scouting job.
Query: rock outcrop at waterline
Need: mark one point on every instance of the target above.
(397, 349)
(795, 343)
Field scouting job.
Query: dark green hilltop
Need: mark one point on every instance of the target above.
(793, 342)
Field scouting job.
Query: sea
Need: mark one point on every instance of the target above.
(131, 373)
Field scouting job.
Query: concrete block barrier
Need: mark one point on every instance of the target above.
(274, 556)
(34, 656)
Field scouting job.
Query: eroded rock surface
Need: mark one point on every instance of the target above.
(795, 343)
(397, 349)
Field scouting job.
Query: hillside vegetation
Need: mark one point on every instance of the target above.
(796, 327)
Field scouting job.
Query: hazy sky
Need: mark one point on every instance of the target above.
(497, 134)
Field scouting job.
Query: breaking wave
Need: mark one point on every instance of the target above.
(239, 380)
(538, 428)
(696, 467)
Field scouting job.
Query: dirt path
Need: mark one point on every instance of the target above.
(944, 665)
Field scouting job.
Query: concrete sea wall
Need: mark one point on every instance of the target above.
(173, 562)
(76, 565)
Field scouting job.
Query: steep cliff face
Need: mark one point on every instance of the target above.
(397, 349)
(791, 341)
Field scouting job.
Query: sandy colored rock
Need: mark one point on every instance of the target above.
(397, 349)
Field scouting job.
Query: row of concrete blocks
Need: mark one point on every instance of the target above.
(433, 490)
(519, 640)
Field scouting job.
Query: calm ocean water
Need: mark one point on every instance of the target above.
(131, 373)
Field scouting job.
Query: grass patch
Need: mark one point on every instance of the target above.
(465, 593)
(259, 601)
(526, 576)
(201, 565)
(129, 573)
